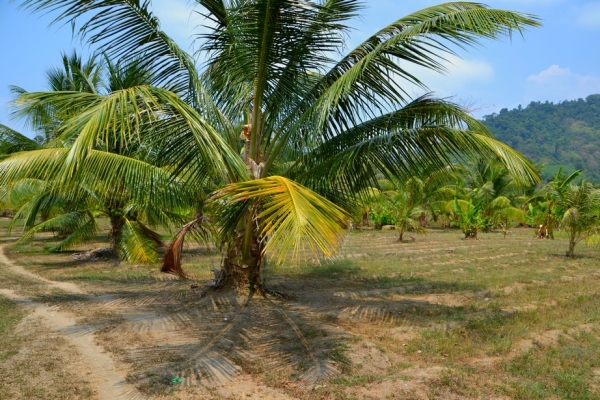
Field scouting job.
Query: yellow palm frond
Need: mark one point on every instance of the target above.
(291, 216)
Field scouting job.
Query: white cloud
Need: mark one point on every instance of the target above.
(557, 84)
(552, 73)
(461, 73)
(589, 15)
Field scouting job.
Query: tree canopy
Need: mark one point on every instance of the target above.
(314, 126)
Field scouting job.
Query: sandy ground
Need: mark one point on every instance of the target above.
(130, 343)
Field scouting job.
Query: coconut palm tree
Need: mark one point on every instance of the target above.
(74, 75)
(314, 127)
(499, 194)
(582, 214)
(32, 172)
(575, 207)
(408, 202)
(32, 184)
(546, 207)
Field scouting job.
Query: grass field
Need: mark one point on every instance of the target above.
(437, 318)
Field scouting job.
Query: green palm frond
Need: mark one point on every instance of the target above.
(149, 192)
(85, 231)
(353, 165)
(371, 77)
(120, 117)
(12, 141)
(285, 39)
(78, 225)
(127, 29)
(48, 110)
(15, 195)
(42, 164)
(29, 211)
(137, 243)
(291, 216)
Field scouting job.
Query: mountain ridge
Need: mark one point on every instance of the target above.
(565, 134)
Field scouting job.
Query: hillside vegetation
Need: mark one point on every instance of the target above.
(566, 134)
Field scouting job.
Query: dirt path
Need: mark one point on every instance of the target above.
(110, 381)
(66, 286)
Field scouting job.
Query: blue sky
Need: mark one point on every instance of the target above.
(560, 61)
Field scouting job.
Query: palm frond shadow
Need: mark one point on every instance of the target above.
(208, 341)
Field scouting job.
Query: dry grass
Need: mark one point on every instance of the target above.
(36, 363)
(437, 318)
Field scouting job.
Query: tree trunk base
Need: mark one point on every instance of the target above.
(224, 283)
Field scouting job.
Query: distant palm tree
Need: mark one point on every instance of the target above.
(315, 128)
(582, 214)
(575, 207)
(499, 193)
(546, 207)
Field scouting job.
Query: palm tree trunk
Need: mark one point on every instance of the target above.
(423, 220)
(571, 248)
(241, 266)
(116, 225)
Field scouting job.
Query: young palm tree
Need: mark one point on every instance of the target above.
(546, 207)
(406, 213)
(315, 128)
(582, 214)
(408, 202)
(576, 207)
(470, 218)
(492, 186)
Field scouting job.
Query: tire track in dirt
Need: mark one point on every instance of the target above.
(208, 365)
(111, 383)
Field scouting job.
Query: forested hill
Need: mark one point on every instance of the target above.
(566, 134)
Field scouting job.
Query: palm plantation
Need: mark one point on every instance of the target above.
(289, 131)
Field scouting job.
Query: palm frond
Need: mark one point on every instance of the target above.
(426, 135)
(80, 226)
(127, 29)
(371, 78)
(135, 244)
(200, 229)
(119, 119)
(12, 141)
(29, 211)
(291, 216)
(84, 232)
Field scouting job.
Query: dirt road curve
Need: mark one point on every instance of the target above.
(110, 382)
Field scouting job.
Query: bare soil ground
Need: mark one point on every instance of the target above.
(437, 318)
